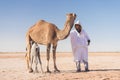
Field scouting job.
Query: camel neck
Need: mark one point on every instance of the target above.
(62, 34)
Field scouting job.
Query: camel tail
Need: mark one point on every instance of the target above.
(29, 43)
(28, 37)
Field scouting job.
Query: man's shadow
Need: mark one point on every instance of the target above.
(91, 70)
(105, 70)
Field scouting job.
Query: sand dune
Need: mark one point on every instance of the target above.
(103, 66)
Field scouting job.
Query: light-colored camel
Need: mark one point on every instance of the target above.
(35, 56)
(48, 34)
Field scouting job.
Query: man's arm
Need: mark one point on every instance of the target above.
(87, 37)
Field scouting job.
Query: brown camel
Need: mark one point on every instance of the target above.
(48, 34)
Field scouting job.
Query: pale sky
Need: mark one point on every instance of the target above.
(99, 18)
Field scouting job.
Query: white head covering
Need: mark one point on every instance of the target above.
(78, 22)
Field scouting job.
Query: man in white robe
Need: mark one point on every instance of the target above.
(80, 41)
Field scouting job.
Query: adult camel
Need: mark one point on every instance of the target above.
(48, 34)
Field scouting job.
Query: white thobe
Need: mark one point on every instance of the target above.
(79, 42)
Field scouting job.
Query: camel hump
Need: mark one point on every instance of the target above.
(42, 20)
(44, 23)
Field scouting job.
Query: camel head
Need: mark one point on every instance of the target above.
(71, 16)
(70, 21)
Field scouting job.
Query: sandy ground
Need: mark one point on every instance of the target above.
(103, 66)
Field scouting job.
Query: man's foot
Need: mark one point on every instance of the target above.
(86, 70)
(78, 70)
(78, 66)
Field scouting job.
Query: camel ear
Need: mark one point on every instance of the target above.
(74, 14)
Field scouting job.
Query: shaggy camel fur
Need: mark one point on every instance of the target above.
(48, 34)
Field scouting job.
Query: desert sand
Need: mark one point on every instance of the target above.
(103, 66)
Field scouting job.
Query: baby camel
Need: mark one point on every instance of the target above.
(35, 56)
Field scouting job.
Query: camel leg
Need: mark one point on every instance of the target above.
(26, 57)
(36, 62)
(54, 58)
(29, 58)
(48, 57)
(32, 57)
(27, 50)
(40, 61)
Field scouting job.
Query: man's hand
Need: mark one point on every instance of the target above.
(88, 42)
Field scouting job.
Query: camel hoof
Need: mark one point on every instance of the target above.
(57, 70)
(30, 70)
(36, 71)
(48, 71)
(42, 72)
